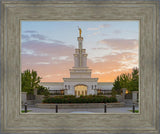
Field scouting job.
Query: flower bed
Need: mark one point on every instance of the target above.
(81, 99)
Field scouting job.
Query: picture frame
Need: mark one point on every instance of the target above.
(146, 121)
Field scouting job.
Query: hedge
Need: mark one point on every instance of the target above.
(81, 99)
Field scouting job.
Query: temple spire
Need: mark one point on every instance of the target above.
(80, 39)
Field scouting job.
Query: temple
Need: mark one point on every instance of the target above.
(80, 81)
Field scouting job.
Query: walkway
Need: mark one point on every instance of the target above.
(95, 110)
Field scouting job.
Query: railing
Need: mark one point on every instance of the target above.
(128, 96)
(30, 97)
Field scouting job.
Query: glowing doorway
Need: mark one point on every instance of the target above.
(80, 90)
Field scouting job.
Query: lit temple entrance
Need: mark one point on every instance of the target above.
(80, 90)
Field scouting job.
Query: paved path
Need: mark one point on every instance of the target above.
(95, 110)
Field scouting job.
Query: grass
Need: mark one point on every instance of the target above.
(136, 111)
(27, 111)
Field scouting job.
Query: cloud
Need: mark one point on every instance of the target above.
(32, 35)
(53, 60)
(100, 73)
(60, 58)
(49, 49)
(97, 28)
(112, 47)
(27, 51)
(47, 59)
(46, 68)
(121, 44)
(30, 31)
(108, 67)
(38, 36)
(120, 61)
(43, 63)
(58, 42)
(25, 37)
(98, 59)
(92, 29)
(106, 70)
(105, 26)
(100, 48)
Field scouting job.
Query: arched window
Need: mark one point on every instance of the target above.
(86, 92)
(78, 93)
(82, 93)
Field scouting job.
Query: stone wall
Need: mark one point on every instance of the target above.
(23, 97)
(39, 98)
(135, 96)
(119, 98)
(79, 105)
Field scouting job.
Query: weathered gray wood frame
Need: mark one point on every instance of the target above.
(147, 121)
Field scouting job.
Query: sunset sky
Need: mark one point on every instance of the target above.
(48, 47)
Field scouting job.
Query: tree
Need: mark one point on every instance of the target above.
(134, 83)
(43, 91)
(126, 80)
(30, 81)
(116, 86)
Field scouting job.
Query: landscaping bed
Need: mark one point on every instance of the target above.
(81, 99)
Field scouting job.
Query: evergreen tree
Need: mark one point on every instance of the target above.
(116, 86)
(125, 80)
(134, 83)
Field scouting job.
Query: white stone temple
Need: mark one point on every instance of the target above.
(80, 81)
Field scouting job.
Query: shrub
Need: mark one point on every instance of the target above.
(81, 99)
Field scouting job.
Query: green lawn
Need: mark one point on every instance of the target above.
(27, 111)
(136, 111)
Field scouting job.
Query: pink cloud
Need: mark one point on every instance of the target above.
(47, 59)
(114, 65)
(55, 49)
(121, 44)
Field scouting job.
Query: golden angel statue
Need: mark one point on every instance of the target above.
(80, 31)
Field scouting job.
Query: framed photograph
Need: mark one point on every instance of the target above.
(80, 66)
(80, 69)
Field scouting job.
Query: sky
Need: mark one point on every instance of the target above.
(48, 47)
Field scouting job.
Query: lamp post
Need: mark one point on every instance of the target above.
(105, 108)
(56, 108)
(133, 108)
